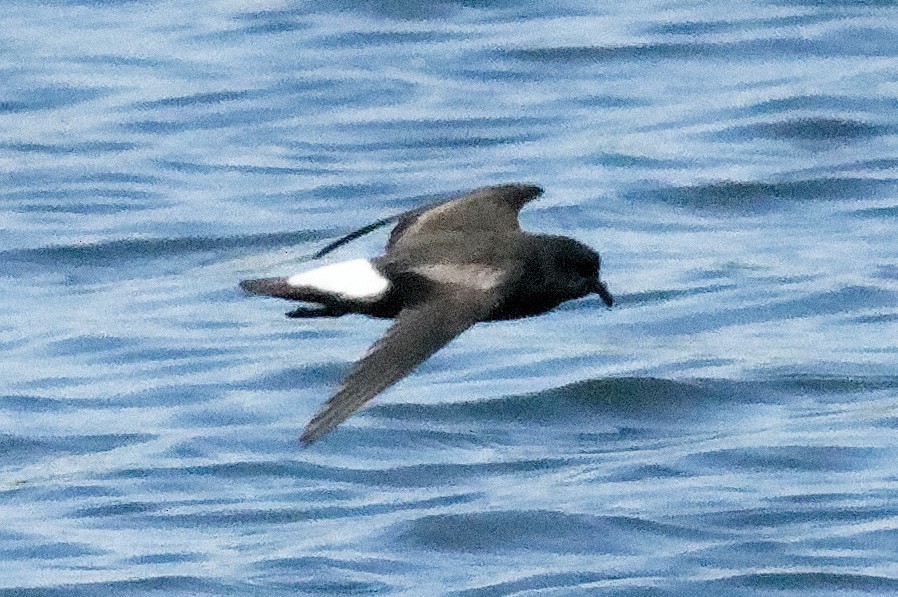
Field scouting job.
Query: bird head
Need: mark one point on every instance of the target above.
(577, 268)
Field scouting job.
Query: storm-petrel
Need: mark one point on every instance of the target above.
(446, 267)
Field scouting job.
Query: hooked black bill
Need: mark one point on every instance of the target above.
(604, 294)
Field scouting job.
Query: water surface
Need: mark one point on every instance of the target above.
(728, 428)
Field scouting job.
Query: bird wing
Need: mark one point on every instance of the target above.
(418, 332)
(492, 209)
(489, 208)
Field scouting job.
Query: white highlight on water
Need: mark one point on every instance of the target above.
(355, 279)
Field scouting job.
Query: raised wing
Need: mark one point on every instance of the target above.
(417, 333)
(487, 208)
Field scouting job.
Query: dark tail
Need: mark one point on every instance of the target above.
(280, 288)
(267, 286)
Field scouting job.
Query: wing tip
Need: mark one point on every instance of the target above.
(518, 193)
(531, 189)
(315, 430)
(308, 436)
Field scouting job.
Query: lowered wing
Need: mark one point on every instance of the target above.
(416, 334)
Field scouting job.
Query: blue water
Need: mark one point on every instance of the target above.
(729, 428)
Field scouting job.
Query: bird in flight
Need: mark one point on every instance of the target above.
(446, 267)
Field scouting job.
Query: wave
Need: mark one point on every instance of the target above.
(819, 129)
(628, 396)
(765, 195)
(412, 476)
(19, 449)
(537, 530)
(805, 581)
(174, 585)
(757, 49)
(48, 98)
(114, 251)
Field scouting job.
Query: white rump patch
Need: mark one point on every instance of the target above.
(356, 279)
(479, 277)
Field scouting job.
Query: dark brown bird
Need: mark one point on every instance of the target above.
(446, 267)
